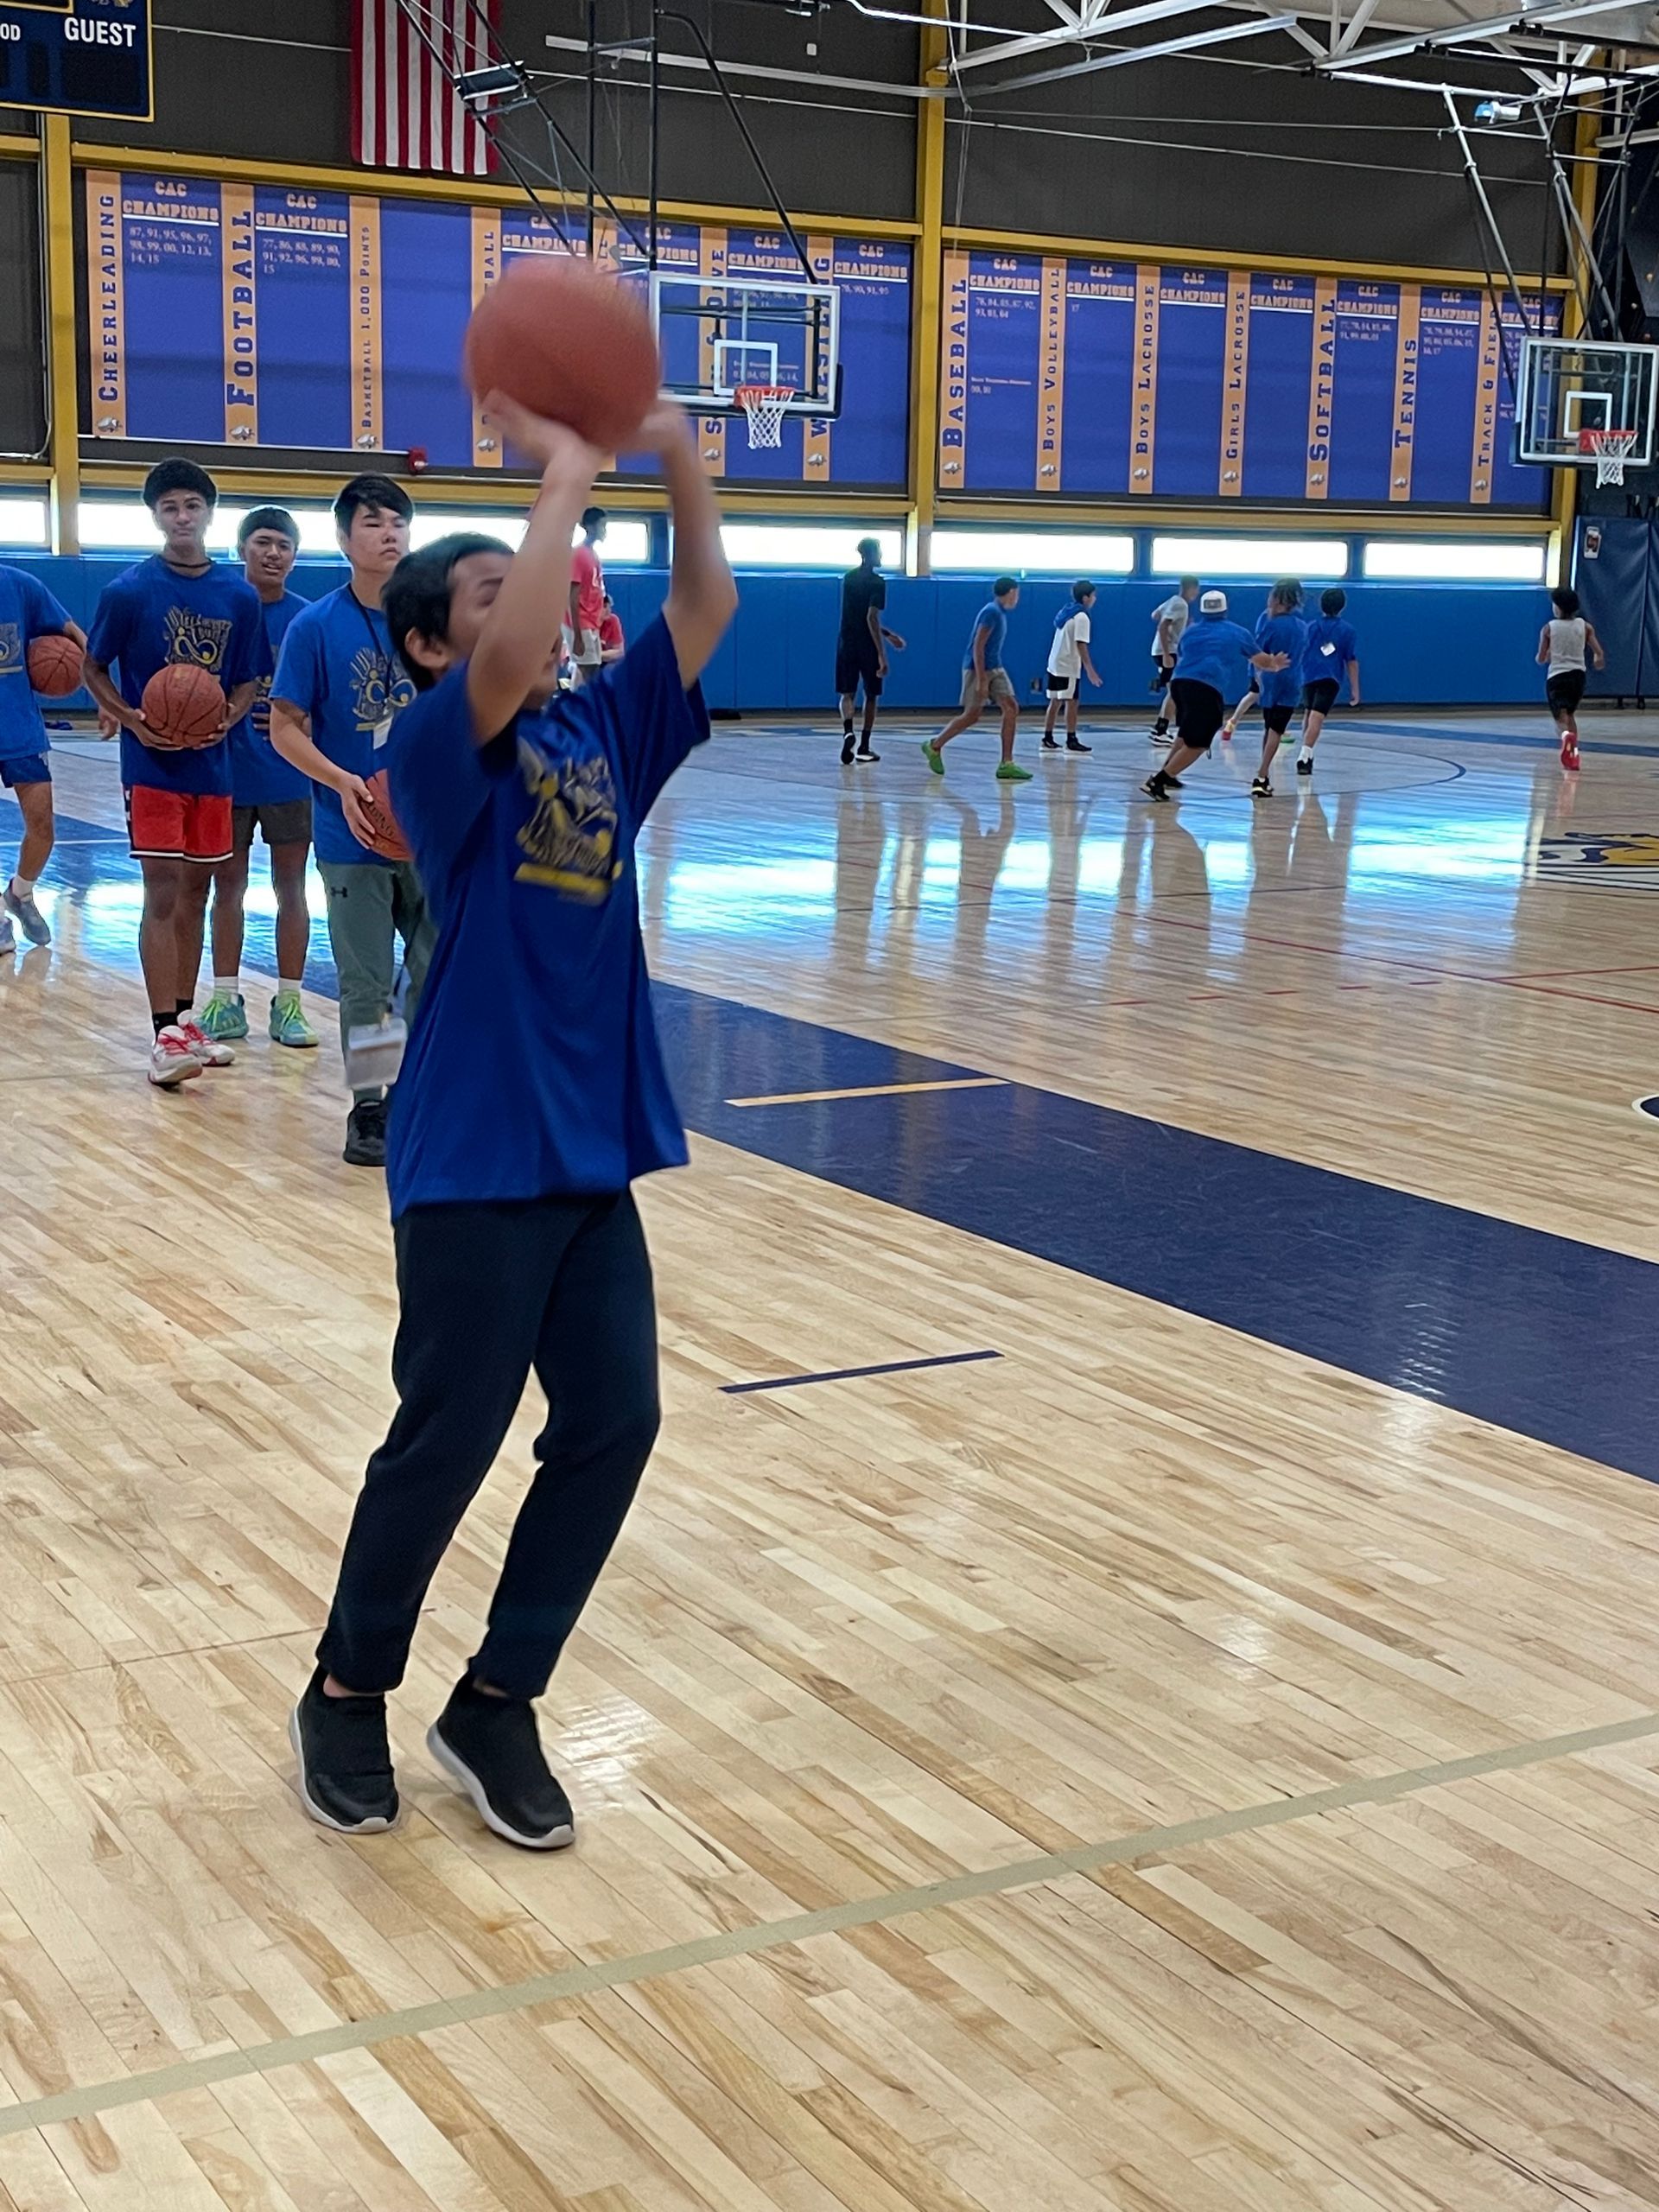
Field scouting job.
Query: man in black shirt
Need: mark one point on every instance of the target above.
(861, 648)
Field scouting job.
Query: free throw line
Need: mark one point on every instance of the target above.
(852, 1374)
(874, 1091)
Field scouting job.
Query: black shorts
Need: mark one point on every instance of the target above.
(857, 664)
(1564, 690)
(279, 822)
(1276, 719)
(1199, 709)
(1319, 698)
(1061, 687)
(1162, 671)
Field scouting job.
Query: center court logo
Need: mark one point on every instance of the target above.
(1598, 861)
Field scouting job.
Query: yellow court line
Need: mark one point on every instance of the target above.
(66, 2106)
(875, 1090)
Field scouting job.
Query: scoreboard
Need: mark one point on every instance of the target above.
(78, 57)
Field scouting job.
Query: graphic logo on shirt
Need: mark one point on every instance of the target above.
(1594, 862)
(570, 839)
(11, 648)
(198, 640)
(259, 712)
(378, 692)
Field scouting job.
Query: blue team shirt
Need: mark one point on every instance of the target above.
(27, 611)
(337, 668)
(152, 614)
(1330, 645)
(259, 775)
(533, 1067)
(1210, 651)
(1281, 634)
(995, 618)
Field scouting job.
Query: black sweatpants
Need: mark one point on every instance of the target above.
(486, 1292)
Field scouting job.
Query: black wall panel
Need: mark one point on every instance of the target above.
(23, 377)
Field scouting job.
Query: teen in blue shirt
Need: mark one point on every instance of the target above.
(985, 683)
(532, 1094)
(1206, 662)
(268, 795)
(338, 688)
(27, 611)
(1331, 651)
(178, 607)
(1282, 633)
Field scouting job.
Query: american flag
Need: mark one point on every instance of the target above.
(407, 115)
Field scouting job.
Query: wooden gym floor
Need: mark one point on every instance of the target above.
(1200, 1755)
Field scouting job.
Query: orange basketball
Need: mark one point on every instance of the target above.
(54, 666)
(389, 840)
(184, 704)
(568, 343)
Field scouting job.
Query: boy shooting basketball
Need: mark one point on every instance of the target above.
(514, 1143)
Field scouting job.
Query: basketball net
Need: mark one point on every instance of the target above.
(764, 406)
(1610, 450)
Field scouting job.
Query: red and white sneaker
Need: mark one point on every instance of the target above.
(206, 1050)
(1226, 733)
(1569, 751)
(171, 1060)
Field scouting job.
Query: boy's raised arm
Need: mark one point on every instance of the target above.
(701, 596)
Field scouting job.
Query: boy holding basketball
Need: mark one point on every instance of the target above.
(514, 1144)
(337, 688)
(180, 608)
(27, 611)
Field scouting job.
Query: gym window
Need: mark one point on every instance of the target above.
(806, 545)
(1031, 553)
(22, 520)
(1266, 558)
(1472, 561)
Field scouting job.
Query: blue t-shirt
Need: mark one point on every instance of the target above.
(533, 1067)
(259, 775)
(337, 668)
(995, 618)
(1209, 651)
(1330, 645)
(1281, 634)
(27, 611)
(152, 614)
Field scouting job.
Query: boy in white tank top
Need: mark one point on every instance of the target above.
(1565, 644)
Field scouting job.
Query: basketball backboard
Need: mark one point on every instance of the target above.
(718, 333)
(1570, 387)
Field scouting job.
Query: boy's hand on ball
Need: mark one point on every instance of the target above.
(552, 445)
(352, 794)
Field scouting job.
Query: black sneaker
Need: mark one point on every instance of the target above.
(1305, 765)
(365, 1134)
(847, 751)
(345, 1778)
(1050, 745)
(491, 1747)
(1077, 745)
(1157, 786)
(864, 753)
(1172, 783)
(1158, 731)
(1261, 788)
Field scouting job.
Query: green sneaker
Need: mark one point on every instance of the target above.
(287, 1023)
(1010, 772)
(223, 1018)
(930, 755)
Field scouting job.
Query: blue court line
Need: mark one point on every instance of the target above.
(853, 1374)
(1540, 1334)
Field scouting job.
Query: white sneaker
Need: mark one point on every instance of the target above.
(171, 1059)
(206, 1050)
(28, 916)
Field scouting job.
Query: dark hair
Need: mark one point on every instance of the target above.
(1333, 601)
(591, 519)
(1288, 592)
(268, 519)
(1083, 590)
(1565, 600)
(178, 475)
(369, 492)
(1003, 585)
(869, 549)
(418, 591)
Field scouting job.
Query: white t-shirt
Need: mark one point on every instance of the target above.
(1174, 612)
(1065, 654)
(1567, 646)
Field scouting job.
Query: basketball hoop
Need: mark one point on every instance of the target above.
(764, 406)
(1610, 450)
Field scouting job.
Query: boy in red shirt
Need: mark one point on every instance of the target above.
(586, 611)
